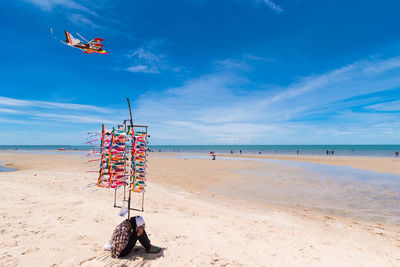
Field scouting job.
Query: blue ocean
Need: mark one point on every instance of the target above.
(338, 150)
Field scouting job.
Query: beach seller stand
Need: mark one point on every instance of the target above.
(123, 158)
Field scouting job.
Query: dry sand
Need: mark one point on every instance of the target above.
(51, 217)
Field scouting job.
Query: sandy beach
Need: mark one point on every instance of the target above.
(52, 215)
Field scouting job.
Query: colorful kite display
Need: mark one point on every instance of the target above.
(123, 154)
(139, 154)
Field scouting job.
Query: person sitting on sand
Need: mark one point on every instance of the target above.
(126, 234)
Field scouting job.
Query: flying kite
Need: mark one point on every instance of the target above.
(93, 46)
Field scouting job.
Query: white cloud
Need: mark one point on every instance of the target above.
(49, 5)
(273, 6)
(215, 109)
(45, 112)
(225, 107)
(9, 111)
(82, 20)
(143, 68)
(386, 106)
(7, 101)
(146, 55)
(257, 58)
(13, 121)
(229, 63)
(79, 118)
(270, 4)
(74, 11)
(52, 120)
(147, 59)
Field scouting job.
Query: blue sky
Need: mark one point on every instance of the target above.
(203, 71)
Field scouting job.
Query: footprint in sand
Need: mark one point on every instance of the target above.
(216, 260)
(180, 237)
(98, 219)
(86, 260)
(75, 202)
(81, 237)
(329, 218)
(30, 250)
(13, 243)
(252, 236)
(174, 238)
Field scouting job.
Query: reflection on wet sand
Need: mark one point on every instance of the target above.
(333, 189)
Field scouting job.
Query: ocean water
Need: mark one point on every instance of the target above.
(339, 150)
(44, 147)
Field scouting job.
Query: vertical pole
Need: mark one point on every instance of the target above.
(115, 197)
(142, 201)
(130, 191)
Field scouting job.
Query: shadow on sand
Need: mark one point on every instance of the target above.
(137, 257)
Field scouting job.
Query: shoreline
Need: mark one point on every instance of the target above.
(278, 152)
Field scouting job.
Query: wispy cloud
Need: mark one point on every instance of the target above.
(142, 68)
(7, 101)
(147, 59)
(49, 5)
(47, 122)
(346, 105)
(46, 113)
(79, 118)
(273, 6)
(330, 107)
(257, 58)
(386, 106)
(230, 63)
(78, 13)
(10, 111)
(82, 20)
(270, 4)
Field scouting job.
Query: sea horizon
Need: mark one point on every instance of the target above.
(379, 150)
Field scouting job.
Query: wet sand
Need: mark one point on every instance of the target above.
(330, 188)
(52, 216)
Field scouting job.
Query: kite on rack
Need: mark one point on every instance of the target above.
(114, 153)
(123, 154)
